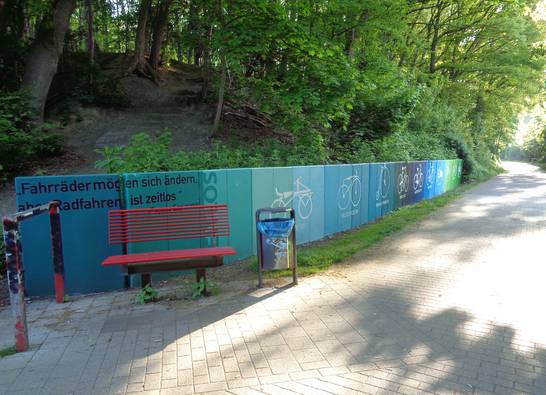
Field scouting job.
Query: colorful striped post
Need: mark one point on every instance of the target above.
(15, 268)
(16, 283)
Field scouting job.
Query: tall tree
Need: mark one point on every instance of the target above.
(45, 52)
(90, 31)
(160, 25)
(140, 64)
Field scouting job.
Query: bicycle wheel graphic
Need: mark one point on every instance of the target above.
(343, 196)
(401, 184)
(430, 177)
(384, 182)
(305, 206)
(356, 192)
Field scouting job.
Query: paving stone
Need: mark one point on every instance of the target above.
(411, 315)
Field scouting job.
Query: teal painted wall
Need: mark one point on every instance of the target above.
(327, 199)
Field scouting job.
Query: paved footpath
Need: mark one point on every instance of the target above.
(453, 305)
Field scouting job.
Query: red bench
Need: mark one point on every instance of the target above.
(168, 224)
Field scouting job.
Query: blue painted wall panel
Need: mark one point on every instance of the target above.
(439, 186)
(333, 178)
(360, 217)
(348, 196)
(375, 195)
(327, 200)
(417, 182)
(430, 179)
(388, 173)
(402, 184)
(309, 203)
(85, 201)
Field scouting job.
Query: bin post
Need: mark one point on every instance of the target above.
(294, 249)
(259, 250)
(16, 281)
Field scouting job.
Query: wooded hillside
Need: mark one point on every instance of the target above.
(337, 80)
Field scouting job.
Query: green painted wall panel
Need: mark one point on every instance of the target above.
(273, 187)
(241, 215)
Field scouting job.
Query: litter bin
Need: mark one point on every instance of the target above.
(276, 241)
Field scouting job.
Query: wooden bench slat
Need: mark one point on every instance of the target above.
(160, 238)
(167, 223)
(172, 255)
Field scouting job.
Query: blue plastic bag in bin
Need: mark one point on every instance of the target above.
(276, 227)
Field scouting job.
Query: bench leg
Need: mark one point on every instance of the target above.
(202, 274)
(145, 279)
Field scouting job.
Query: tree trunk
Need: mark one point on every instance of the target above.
(140, 65)
(45, 52)
(159, 32)
(205, 72)
(350, 38)
(221, 92)
(90, 33)
(435, 29)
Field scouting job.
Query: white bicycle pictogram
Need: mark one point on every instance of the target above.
(277, 242)
(384, 183)
(349, 192)
(430, 176)
(403, 181)
(303, 194)
(418, 179)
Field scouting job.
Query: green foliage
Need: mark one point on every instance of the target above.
(198, 288)
(7, 351)
(20, 140)
(147, 153)
(514, 152)
(147, 295)
(352, 81)
(535, 146)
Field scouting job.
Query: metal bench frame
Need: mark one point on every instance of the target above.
(168, 224)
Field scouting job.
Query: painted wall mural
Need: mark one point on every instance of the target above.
(327, 200)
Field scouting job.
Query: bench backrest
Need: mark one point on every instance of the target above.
(167, 223)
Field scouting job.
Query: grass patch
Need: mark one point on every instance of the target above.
(5, 352)
(318, 257)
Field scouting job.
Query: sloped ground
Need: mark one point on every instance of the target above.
(174, 105)
(453, 305)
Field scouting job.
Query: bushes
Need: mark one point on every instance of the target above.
(20, 140)
(147, 153)
(535, 146)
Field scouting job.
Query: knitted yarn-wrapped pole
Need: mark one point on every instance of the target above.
(15, 267)
(16, 281)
